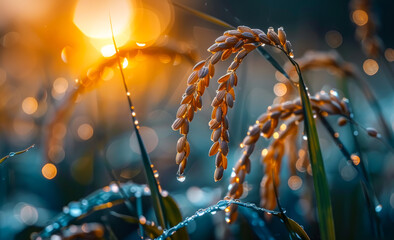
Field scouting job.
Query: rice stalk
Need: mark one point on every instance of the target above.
(366, 33)
(241, 41)
(280, 122)
(366, 30)
(224, 24)
(91, 80)
(335, 64)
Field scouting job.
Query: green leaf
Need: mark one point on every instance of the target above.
(323, 202)
(174, 217)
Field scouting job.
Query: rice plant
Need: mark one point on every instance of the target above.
(130, 73)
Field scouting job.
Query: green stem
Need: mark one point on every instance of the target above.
(323, 202)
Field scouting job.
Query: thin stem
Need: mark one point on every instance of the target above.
(374, 219)
(11, 154)
(366, 185)
(376, 107)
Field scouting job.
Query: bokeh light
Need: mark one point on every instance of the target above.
(280, 89)
(49, 171)
(360, 17)
(388, 54)
(28, 215)
(294, 182)
(370, 67)
(146, 26)
(60, 85)
(85, 131)
(334, 39)
(29, 105)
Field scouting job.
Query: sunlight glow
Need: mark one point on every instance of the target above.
(140, 44)
(92, 17)
(108, 50)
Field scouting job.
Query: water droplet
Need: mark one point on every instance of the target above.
(378, 208)
(164, 193)
(200, 212)
(314, 115)
(142, 219)
(181, 178)
(305, 137)
(156, 174)
(355, 133)
(114, 188)
(222, 205)
(66, 210)
(333, 92)
(213, 212)
(11, 154)
(75, 210)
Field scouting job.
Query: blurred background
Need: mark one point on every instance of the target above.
(61, 90)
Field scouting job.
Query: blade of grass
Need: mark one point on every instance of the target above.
(224, 24)
(12, 154)
(322, 193)
(152, 182)
(174, 217)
